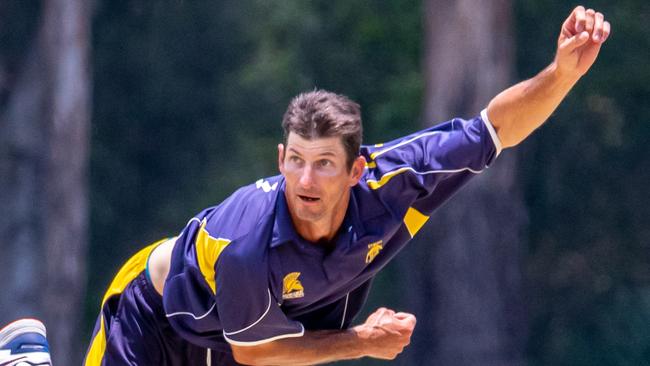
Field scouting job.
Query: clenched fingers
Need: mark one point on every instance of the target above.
(406, 319)
(597, 33)
(580, 19)
(590, 21)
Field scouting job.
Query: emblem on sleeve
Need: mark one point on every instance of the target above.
(373, 250)
(292, 288)
(265, 185)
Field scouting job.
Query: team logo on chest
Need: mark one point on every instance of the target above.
(292, 288)
(373, 250)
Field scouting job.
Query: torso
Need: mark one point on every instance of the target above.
(246, 251)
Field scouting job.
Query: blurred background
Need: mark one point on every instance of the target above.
(119, 120)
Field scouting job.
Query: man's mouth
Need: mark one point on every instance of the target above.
(308, 198)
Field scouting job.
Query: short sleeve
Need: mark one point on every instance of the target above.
(431, 164)
(249, 313)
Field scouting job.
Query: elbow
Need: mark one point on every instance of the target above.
(248, 355)
(509, 131)
(245, 358)
(506, 143)
(508, 139)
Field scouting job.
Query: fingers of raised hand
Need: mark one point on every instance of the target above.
(599, 20)
(590, 20)
(601, 29)
(570, 44)
(580, 18)
(606, 31)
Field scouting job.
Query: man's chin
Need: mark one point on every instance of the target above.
(307, 215)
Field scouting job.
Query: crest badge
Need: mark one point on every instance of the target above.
(373, 250)
(292, 288)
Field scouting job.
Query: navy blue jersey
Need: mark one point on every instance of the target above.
(240, 271)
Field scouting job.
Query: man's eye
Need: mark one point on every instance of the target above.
(295, 159)
(325, 163)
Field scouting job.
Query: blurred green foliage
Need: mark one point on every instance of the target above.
(586, 175)
(188, 97)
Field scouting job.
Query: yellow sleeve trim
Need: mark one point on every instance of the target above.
(414, 220)
(208, 250)
(374, 184)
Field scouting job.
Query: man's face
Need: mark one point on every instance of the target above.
(317, 177)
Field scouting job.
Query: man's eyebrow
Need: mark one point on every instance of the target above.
(324, 153)
(291, 149)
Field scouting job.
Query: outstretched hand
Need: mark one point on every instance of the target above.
(582, 35)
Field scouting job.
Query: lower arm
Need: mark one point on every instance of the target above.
(313, 347)
(517, 111)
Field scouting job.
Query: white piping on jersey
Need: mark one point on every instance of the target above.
(493, 133)
(193, 219)
(484, 117)
(405, 168)
(267, 340)
(345, 310)
(252, 325)
(196, 317)
(188, 223)
(208, 357)
(209, 235)
(374, 155)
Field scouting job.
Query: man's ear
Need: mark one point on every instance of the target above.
(358, 166)
(281, 158)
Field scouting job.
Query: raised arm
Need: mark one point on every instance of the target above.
(516, 112)
(384, 335)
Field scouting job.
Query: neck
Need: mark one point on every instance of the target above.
(323, 229)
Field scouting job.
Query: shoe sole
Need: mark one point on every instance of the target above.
(22, 326)
(16, 329)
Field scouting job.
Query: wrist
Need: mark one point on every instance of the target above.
(562, 75)
(362, 336)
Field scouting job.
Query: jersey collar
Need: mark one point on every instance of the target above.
(283, 230)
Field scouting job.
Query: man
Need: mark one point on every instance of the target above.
(276, 273)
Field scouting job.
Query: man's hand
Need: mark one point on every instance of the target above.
(583, 32)
(517, 111)
(385, 333)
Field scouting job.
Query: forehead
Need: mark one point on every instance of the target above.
(316, 146)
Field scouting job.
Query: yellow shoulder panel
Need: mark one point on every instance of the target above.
(208, 250)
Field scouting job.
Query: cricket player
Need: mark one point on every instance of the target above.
(276, 273)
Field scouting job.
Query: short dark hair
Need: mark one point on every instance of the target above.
(320, 113)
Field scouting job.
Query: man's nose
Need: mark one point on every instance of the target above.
(306, 178)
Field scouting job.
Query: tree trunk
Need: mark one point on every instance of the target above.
(43, 161)
(467, 290)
